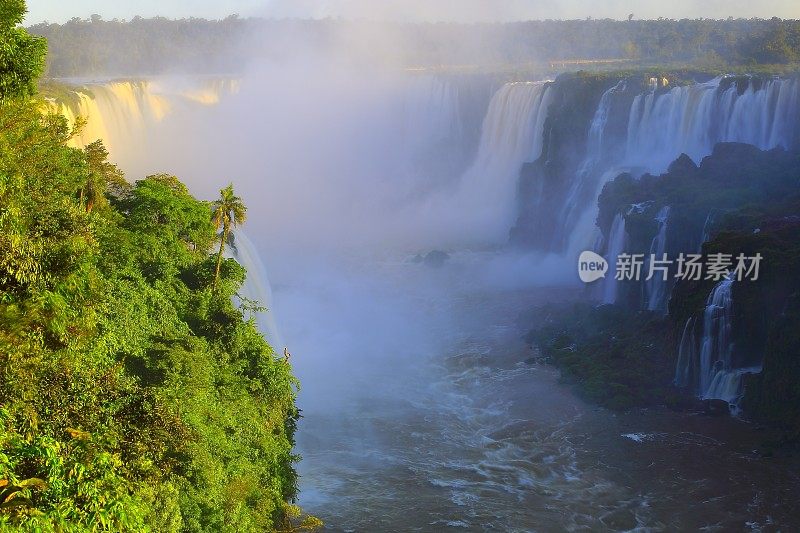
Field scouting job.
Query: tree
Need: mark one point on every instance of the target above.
(228, 211)
(22, 56)
(101, 175)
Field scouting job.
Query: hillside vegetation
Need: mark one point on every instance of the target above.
(134, 396)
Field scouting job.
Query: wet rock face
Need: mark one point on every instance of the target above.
(433, 259)
(436, 258)
(716, 407)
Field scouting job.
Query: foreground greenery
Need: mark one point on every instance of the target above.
(134, 396)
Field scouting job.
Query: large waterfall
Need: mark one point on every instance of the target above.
(122, 113)
(511, 135)
(691, 119)
(716, 346)
(576, 214)
(662, 124)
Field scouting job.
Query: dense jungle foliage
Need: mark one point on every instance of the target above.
(94, 46)
(134, 396)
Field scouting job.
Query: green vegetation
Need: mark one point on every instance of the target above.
(21, 55)
(133, 397)
(149, 46)
(616, 358)
(228, 211)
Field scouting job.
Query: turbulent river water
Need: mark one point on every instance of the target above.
(451, 429)
(420, 410)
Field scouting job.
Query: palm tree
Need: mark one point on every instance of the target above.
(228, 211)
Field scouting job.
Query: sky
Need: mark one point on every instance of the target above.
(414, 10)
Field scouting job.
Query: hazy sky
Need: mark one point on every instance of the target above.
(455, 10)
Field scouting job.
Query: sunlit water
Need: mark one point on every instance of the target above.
(473, 438)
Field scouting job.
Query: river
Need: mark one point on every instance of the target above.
(424, 410)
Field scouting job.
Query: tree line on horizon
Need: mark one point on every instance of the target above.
(151, 46)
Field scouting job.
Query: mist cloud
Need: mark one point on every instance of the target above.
(469, 11)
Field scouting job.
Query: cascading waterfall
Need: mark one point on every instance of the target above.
(708, 366)
(591, 175)
(692, 119)
(257, 287)
(616, 245)
(510, 136)
(686, 356)
(441, 120)
(511, 133)
(663, 124)
(716, 345)
(598, 127)
(764, 116)
(656, 287)
(120, 112)
(431, 113)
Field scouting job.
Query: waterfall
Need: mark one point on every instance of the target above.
(686, 356)
(716, 344)
(705, 235)
(764, 116)
(616, 245)
(709, 366)
(590, 179)
(511, 135)
(692, 119)
(656, 287)
(598, 126)
(431, 112)
(441, 119)
(662, 124)
(256, 287)
(728, 385)
(120, 112)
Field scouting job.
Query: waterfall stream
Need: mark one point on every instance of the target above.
(706, 354)
(656, 296)
(257, 288)
(616, 245)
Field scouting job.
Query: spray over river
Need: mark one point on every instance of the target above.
(423, 409)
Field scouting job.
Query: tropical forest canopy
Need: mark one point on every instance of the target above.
(134, 396)
(150, 46)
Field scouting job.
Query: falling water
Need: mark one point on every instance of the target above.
(716, 345)
(686, 356)
(511, 135)
(598, 126)
(257, 287)
(712, 371)
(121, 113)
(616, 245)
(656, 287)
(584, 190)
(693, 118)
(433, 127)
